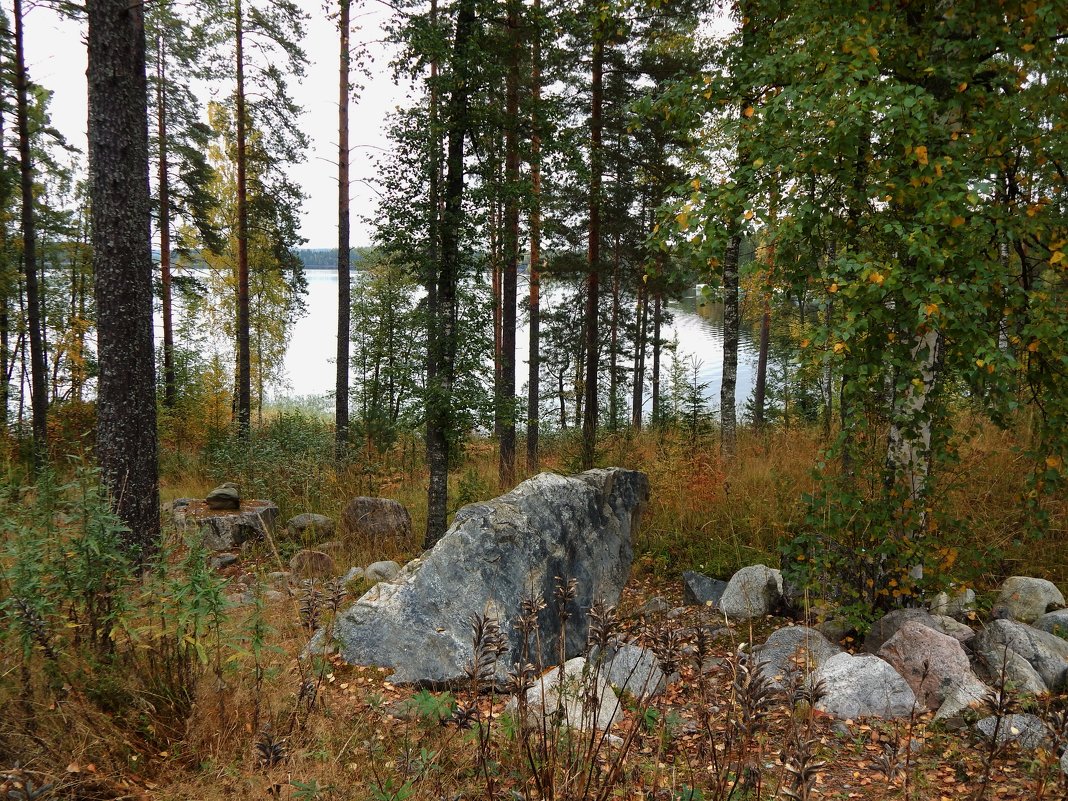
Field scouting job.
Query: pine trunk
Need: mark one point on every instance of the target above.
(121, 226)
(439, 390)
(589, 420)
(170, 388)
(341, 390)
(534, 354)
(642, 317)
(38, 369)
(760, 390)
(727, 409)
(507, 399)
(244, 358)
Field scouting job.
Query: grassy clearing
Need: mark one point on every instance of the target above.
(149, 715)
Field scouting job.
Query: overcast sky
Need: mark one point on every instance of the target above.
(56, 59)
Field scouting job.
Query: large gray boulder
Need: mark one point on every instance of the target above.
(1026, 599)
(932, 663)
(493, 556)
(1045, 652)
(863, 686)
(223, 530)
(792, 650)
(375, 520)
(753, 591)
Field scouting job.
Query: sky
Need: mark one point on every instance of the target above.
(56, 59)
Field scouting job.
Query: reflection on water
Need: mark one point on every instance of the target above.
(698, 325)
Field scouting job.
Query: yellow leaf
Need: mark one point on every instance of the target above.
(979, 362)
(1033, 347)
(1057, 257)
(921, 154)
(696, 184)
(931, 308)
(683, 219)
(832, 288)
(1053, 462)
(962, 87)
(1027, 48)
(957, 221)
(873, 51)
(804, 343)
(877, 278)
(839, 347)
(749, 110)
(748, 215)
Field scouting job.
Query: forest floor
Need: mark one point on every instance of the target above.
(365, 738)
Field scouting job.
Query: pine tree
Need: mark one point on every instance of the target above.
(121, 214)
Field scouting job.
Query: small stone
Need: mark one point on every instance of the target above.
(931, 662)
(308, 528)
(957, 605)
(222, 560)
(1045, 652)
(655, 606)
(318, 646)
(312, 564)
(578, 694)
(1026, 599)
(1055, 623)
(274, 596)
(969, 694)
(382, 571)
(863, 686)
(1027, 731)
(791, 650)
(375, 520)
(840, 729)
(753, 591)
(224, 496)
(961, 632)
(634, 670)
(700, 590)
(354, 574)
(887, 626)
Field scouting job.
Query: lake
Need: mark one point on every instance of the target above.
(309, 361)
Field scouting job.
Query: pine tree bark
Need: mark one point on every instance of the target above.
(511, 250)
(534, 352)
(243, 406)
(760, 390)
(589, 420)
(38, 369)
(121, 236)
(341, 389)
(731, 321)
(170, 388)
(439, 389)
(642, 317)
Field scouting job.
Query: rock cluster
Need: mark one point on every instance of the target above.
(914, 660)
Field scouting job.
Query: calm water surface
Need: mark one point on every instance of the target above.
(309, 362)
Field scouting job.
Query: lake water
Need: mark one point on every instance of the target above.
(309, 361)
